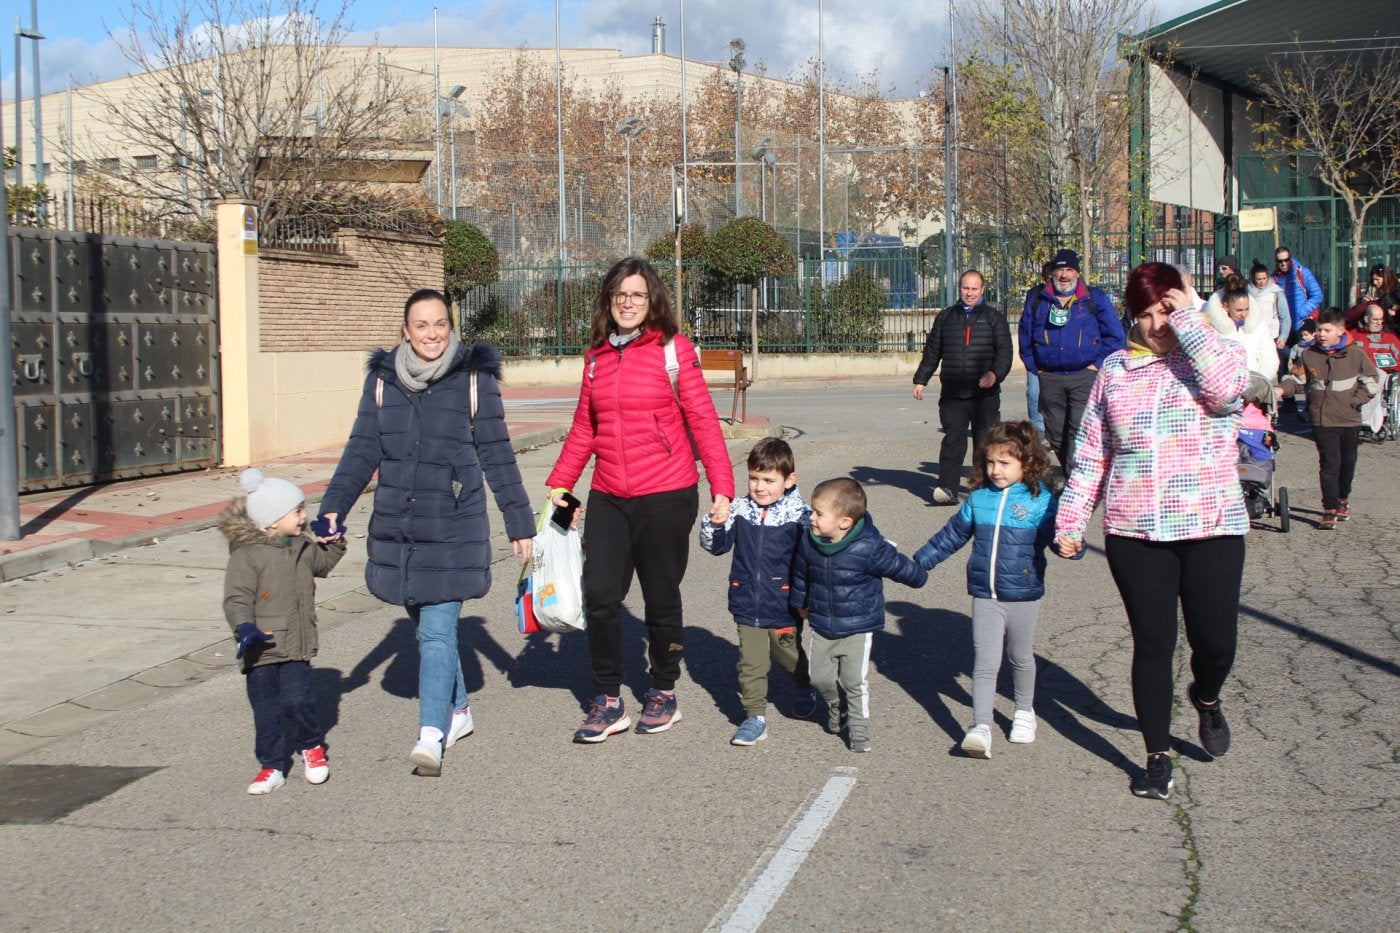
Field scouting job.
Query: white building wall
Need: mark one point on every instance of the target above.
(1188, 142)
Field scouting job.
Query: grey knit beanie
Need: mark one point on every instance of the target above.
(269, 498)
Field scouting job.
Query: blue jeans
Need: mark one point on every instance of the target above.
(441, 687)
(1033, 401)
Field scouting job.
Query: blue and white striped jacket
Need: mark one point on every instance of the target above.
(1010, 530)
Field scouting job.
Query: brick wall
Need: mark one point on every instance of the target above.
(311, 302)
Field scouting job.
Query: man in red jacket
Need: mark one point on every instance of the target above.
(1383, 348)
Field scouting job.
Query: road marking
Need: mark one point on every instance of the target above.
(783, 862)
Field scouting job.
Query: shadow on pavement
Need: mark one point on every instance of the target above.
(913, 482)
(1064, 701)
(924, 653)
(712, 662)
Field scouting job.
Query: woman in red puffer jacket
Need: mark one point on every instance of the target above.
(644, 497)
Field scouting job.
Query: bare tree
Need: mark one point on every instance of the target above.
(1065, 51)
(1341, 108)
(249, 99)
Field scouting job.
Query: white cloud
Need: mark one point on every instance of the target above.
(86, 61)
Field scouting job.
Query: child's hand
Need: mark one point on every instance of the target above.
(719, 512)
(1068, 547)
(248, 635)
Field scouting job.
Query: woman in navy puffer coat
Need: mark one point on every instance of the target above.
(429, 538)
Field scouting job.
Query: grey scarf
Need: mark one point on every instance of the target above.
(415, 373)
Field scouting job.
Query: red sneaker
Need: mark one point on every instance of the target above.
(267, 781)
(1329, 520)
(1343, 509)
(318, 770)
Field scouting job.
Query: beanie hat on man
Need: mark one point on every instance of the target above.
(269, 498)
(1066, 259)
(1228, 260)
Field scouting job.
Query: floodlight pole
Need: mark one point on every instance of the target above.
(9, 451)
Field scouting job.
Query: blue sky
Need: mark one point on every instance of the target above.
(903, 39)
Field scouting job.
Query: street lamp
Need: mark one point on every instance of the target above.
(451, 106)
(765, 157)
(630, 129)
(736, 63)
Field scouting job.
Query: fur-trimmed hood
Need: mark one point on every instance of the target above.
(1215, 313)
(238, 528)
(480, 356)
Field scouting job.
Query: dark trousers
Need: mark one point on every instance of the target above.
(1062, 401)
(648, 535)
(1203, 577)
(284, 712)
(955, 414)
(1336, 462)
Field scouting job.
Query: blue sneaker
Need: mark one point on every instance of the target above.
(806, 703)
(659, 712)
(603, 720)
(751, 731)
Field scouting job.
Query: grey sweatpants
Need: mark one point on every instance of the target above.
(992, 622)
(845, 661)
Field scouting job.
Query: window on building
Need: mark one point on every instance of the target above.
(145, 162)
(110, 165)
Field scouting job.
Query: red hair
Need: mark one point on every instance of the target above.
(1149, 284)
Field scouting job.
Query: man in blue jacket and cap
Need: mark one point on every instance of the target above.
(1067, 330)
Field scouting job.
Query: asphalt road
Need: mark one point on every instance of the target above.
(1295, 829)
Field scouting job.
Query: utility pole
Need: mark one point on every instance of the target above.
(9, 451)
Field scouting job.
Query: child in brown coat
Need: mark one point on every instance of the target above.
(270, 603)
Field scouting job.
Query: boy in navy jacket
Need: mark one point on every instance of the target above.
(837, 585)
(763, 528)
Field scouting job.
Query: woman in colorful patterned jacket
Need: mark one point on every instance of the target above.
(642, 400)
(1157, 446)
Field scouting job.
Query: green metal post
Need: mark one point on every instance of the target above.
(1139, 151)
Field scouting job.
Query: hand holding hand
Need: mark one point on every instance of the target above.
(1067, 547)
(719, 511)
(248, 635)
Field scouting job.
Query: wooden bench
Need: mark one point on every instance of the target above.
(731, 363)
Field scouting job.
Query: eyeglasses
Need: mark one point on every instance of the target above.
(630, 298)
(1284, 261)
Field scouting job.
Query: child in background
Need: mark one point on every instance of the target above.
(837, 586)
(763, 528)
(1334, 361)
(1307, 336)
(270, 603)
(1010, 518)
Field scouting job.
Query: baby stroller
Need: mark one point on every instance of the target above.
(1258, 444)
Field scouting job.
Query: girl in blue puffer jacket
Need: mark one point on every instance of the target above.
(1010, 518)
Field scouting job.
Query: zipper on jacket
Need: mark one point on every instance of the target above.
(996, 541)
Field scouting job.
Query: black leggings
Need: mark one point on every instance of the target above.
(1203, 576)
(650, 536)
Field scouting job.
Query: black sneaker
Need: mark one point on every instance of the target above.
(1156, 781)
(1215, 731)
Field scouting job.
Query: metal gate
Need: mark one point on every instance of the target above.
(115, 364)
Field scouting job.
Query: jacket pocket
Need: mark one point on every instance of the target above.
(661, 435)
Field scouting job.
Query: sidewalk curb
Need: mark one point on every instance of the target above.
(36, 560)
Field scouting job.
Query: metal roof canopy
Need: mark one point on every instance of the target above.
(1225, 41)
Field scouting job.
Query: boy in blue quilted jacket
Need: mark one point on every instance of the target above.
(1010, 520)
(838, 586)
(763, 528)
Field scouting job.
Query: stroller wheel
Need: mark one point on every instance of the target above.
(1281, 508)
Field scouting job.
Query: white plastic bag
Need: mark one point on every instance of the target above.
(558, 579)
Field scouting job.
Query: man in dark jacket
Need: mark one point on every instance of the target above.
(972, 343)
(1067, 330)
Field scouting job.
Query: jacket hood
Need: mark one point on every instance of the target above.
(238, 528)
(480, 356)
(1220, 319)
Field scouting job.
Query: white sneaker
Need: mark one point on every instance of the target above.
(943, 496)
(461, 726)
(317, 768)
(978, 741)
(267, 781)
(427, 759)
(1023, 727)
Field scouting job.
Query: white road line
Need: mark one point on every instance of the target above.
(784, 861)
